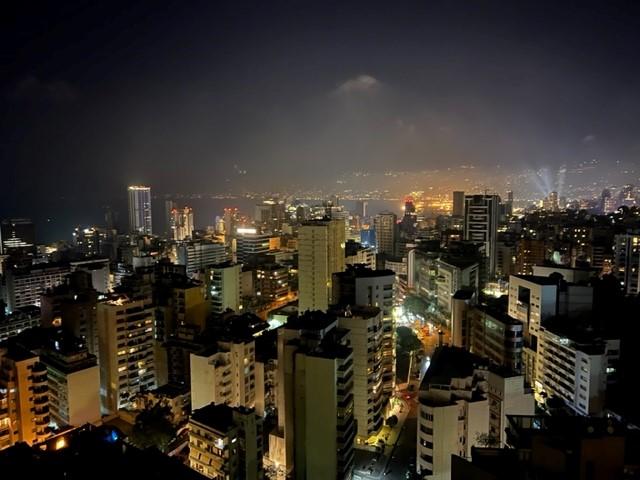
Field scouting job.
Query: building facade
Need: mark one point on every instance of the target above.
(126, 343)
(140, 210)
(320, 254)
(481, 217)
(225, 443)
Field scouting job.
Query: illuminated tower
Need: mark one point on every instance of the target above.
(230, 224)
(481, 224)
(321, 253)
(140, 210)
(385, 226)
(181, 223)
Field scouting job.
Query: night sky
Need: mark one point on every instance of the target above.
(188, 96)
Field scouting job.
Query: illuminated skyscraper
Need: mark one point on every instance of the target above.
(17, 235)
(181, 223)
(140, 210)
(481, 224)
(125, 349)
(385, 226)
(24, 399)
(321, 253)
(315, 381)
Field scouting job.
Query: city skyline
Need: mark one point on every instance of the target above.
(208, 106)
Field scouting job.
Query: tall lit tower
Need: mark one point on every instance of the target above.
(481, 224)
(385, 226)
(181, 223)
(140, 209)
(321, 253)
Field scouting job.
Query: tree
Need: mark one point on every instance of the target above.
(487, 440)
(415, 305)
(392, 421)
(153, 428)
(407, 341)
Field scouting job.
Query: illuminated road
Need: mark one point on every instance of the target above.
(398, 457)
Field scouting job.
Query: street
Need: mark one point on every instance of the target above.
(398, 456)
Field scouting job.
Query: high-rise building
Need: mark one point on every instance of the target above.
(545, 446)
(369, 401)
(72, 306)
(508, 206)
(356, 253)
(461, 304)
(386, 225)
(140, 210)
(320, 254)
(316, 427)
(126, 349)
(197, 255)
(551, 202)
(574, 366)
(99, 271)
(496, 336)
(533, 299)
(453, 410)
(529, 252)
(74, 382)
(89, 241)
(508, 395)
(481, 216)
(361, 208)
(224, 373)
(17, 321)
(250, 245)
(458, 204)
(23, 286)
(179, 301)
(270, 215)
(223, 287)
(169, 206)
(626, 265)
(272, 282)
(24, 401)
(505, 258)
(17, 236)
(456, 274)
(226, 443)
(463, 403)
(230, 222)
(181, 223)
(374, 288)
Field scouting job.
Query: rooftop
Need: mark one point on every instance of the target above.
(497, 314)
(458, 262)
(310, 320)
(217, 417)
(537, 279)
(451, 362)
(362, 271)
(362, 311)
(464, 294)
(171, 390)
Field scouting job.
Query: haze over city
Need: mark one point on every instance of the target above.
(235, 97)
